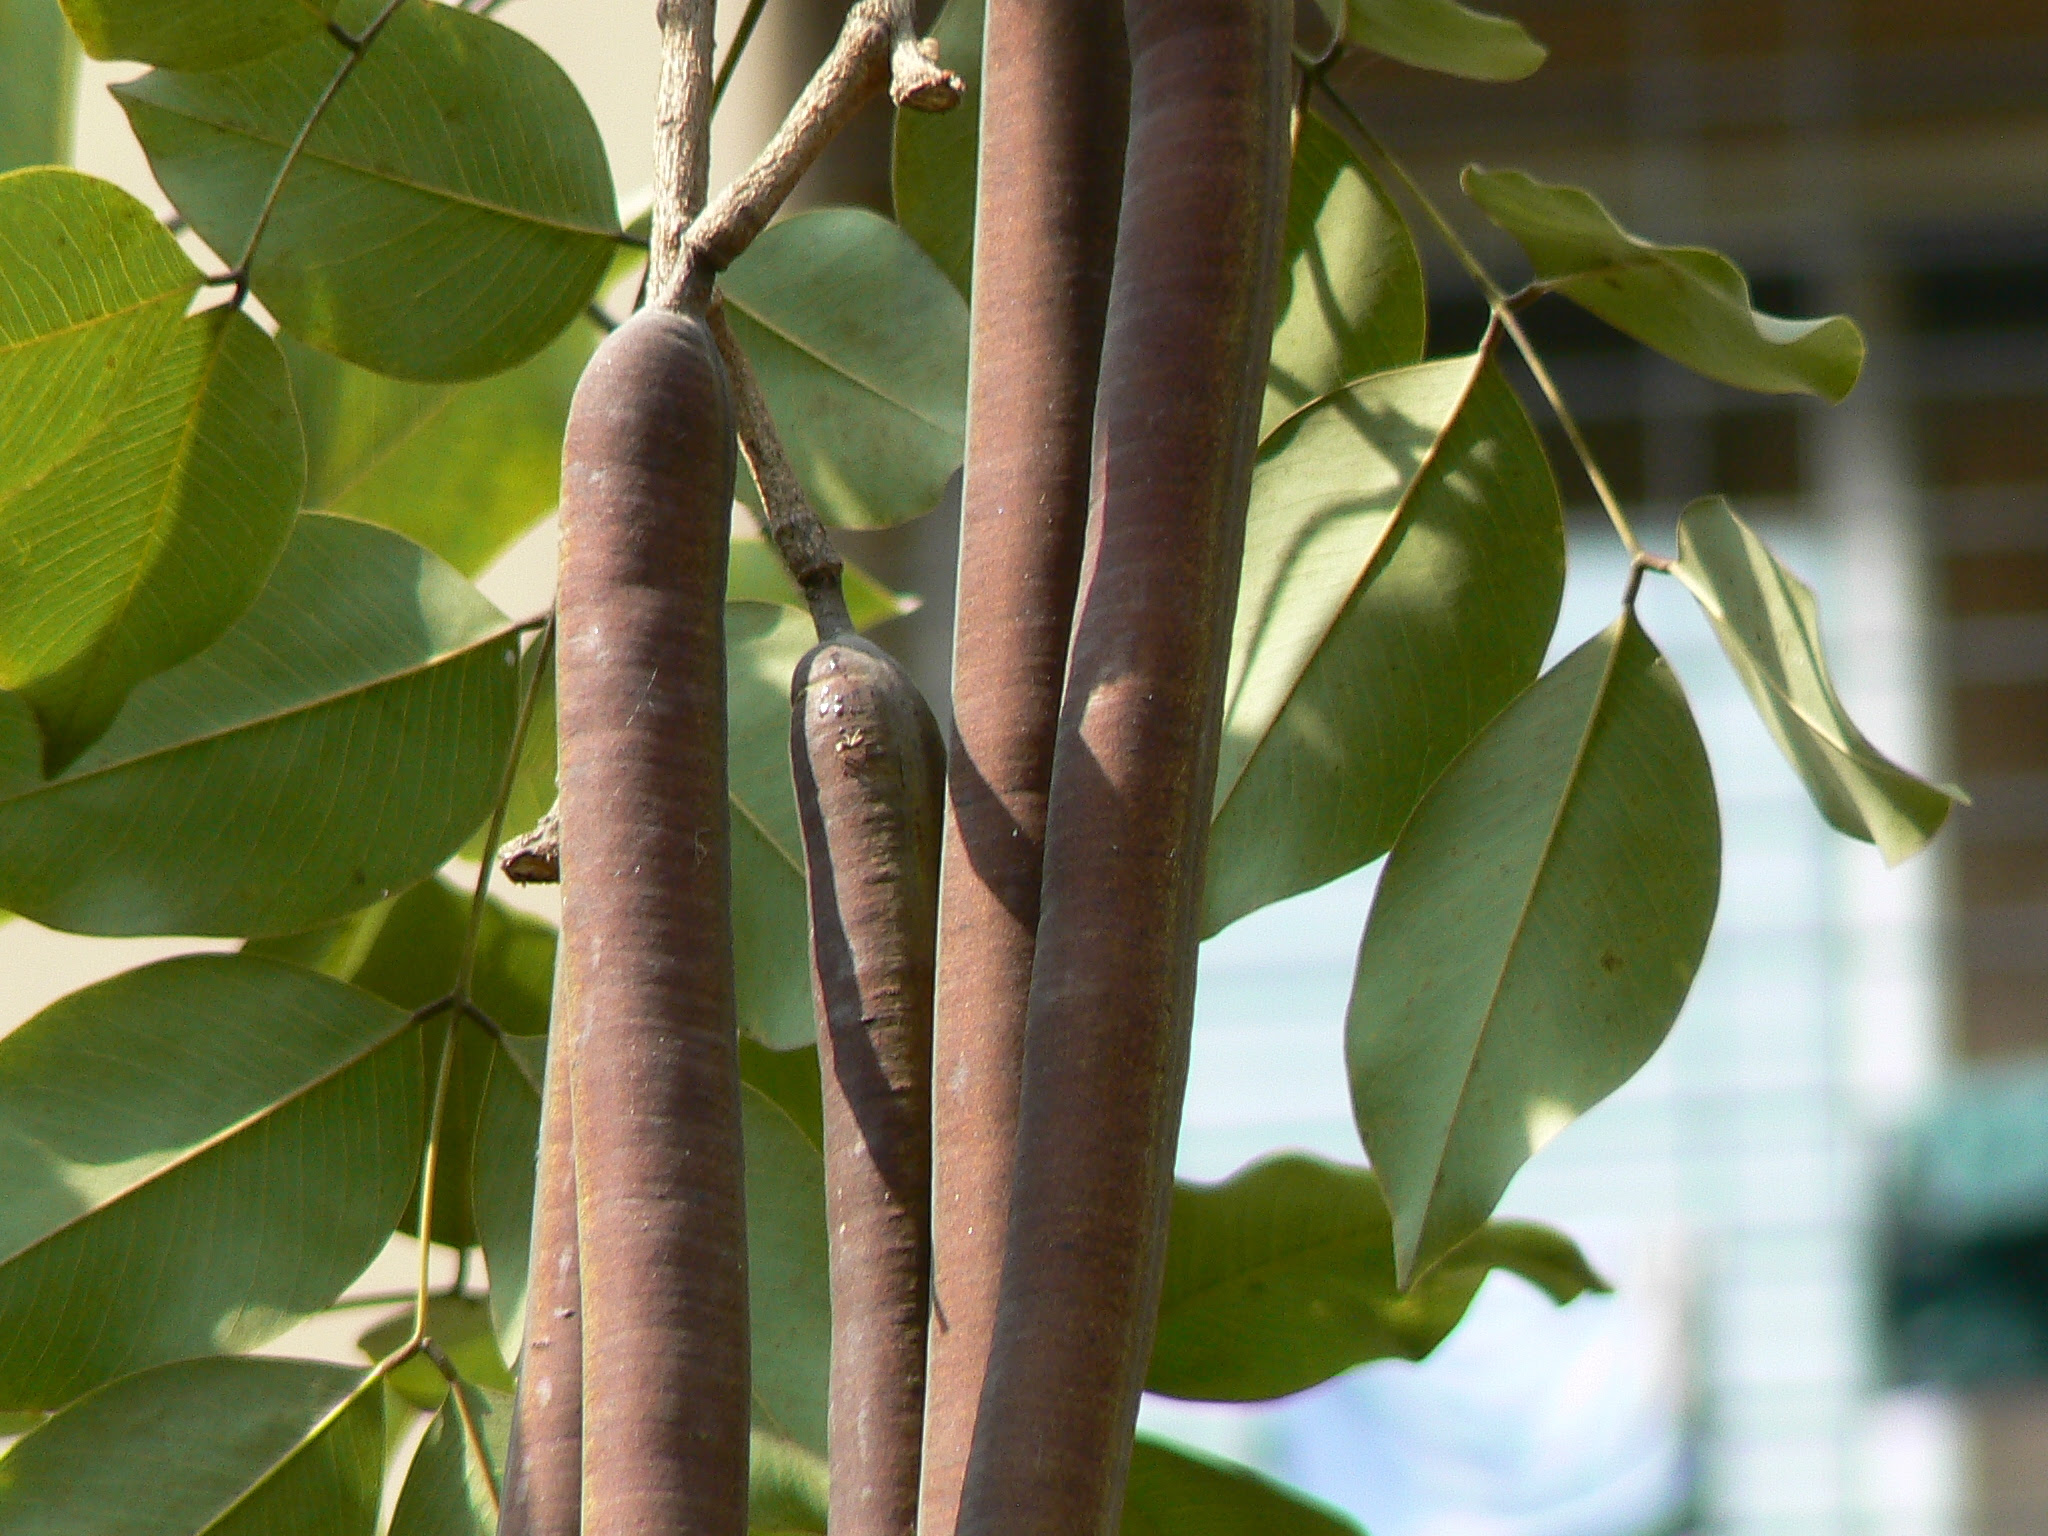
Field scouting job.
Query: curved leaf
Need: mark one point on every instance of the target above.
(38, 84)
(450, 214)
(1351, 294)
(501, 1169)
(1769, 625)
(447, 1492)
(90, 286)
(861, 346)
(934, 165)
(407, 951)
(194, 34)
(244, 1447)
(1283, 1275)
(336, 745)
(1533, 936)
(787, 1487)
(1689, 303)
(1444, 36)
(462, 469)
(139, 550)
(1174, 1491)
(1404, 561)
(197, 1154)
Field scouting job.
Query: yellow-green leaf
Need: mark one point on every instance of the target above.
(194, 34)
(1445, 36)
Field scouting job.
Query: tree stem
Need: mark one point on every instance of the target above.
(682, 143)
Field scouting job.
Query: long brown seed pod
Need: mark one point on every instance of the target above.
(870, 766)
(1054, 110)
(647, 480)
(1112, 987)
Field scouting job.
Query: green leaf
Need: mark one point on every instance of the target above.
(1691, 304)
(447, 1491)
(38, 84)
(501, 1170)
(787, 1487)
(336, 745)
(1174, 1491)
(1404, 560)
(463, 469)
(450, 214)
(139, 550)
(407, 951)
(236, 1447)
(533, 782)
(756, 574)
(1769, 625)
(791, 1080)
(861, 346)
(1445, 36)
(1283, 1275)
(194, 34)
(460, 1325)
(1534, 933)
(197, 1154)
(90, 286)
(934, 167)
(1351, 294)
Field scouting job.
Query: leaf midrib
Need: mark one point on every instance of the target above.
(796, 344)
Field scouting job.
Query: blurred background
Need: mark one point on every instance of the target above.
(1824, 1205)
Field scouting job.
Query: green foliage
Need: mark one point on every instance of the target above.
(1444, 36)
(450, 213)
(1404, 560)
(223, 1447)
(447, 1491)
(936, 156)
(861, 347)
(38, 80)
(1769, 625)
(1174, 1491)
(194, 34)
(1283, 1275)
(756, 574)
(1532, 938)
(786, 1487)
(1690, 304)
(196, 1154)
(334, 746)
(461, 1327)
(1351, 301)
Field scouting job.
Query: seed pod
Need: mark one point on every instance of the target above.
(647, 481)
(1112, 986)
(1054, 109)
(870, 767)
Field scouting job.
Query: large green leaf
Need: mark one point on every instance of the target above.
(787, 1487)
(140, 549)
(1174, 1491)
(1283, 1275)
(236, 1447)
(501, 1170)
(450, 214)
(1769, 625)
(194, 34)
(1444, 36)
(196, 1155)
(448, 1492)
(1351, 295)
(861, 346)
(406, 951)
(335, 746)
(1691, 304)
(38, 84)
(90, 286)
(464, 469)
(1533, 935)
(1404, 560)
(936, 153)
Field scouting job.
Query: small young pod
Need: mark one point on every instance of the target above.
(870, 770)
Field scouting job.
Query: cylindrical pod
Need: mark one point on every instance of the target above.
(647, 480)
(870, 770)
(1112, 987)
(1055, 104)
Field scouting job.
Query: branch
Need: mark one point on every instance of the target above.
(682, 141)
(799, 538)
(879, 44)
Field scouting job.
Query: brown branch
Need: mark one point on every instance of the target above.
(878, 45)
(535, 857)
(682, 143)
(799, 537)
